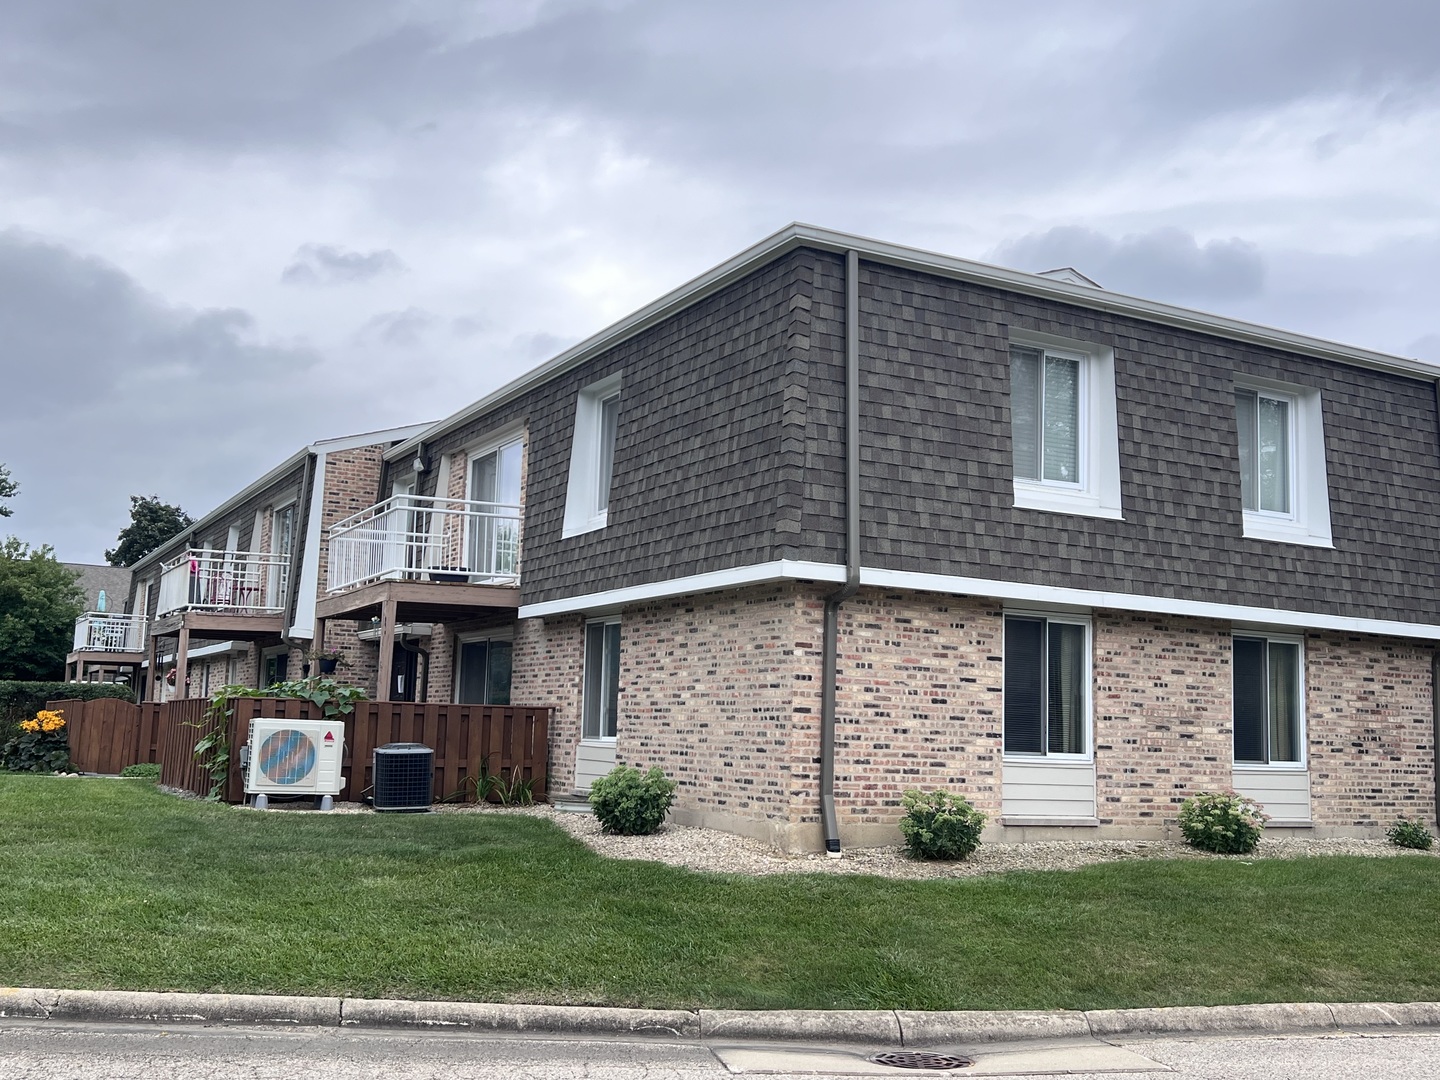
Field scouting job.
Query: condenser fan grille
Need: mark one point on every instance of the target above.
(287, 756)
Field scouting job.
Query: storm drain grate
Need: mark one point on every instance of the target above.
(919, 1059)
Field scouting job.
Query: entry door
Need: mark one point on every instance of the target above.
(494, 532)
(404, 674)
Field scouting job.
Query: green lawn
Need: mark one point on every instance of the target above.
(110, 884)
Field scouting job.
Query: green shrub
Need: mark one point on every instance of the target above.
(938, 825)
(1410, 834)
(144, 770)
(1224, 822)
(631, 803)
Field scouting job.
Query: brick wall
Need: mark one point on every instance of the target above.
(1370, 731)
(722, 691)
(548, 663)
(719, 691)
(1162, 712)
(350, 483)
(918, 702)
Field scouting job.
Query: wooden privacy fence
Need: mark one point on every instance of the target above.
(470, 741)
(107, 734)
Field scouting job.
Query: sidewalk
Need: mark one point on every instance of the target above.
(871, 1028)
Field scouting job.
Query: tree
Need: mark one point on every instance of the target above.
(39, 602)
(8, 490)
(151, 524)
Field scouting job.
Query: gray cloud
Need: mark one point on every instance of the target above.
(110, 390)
(401, 329)
(561, 162)
(1166, 264)
(325, 264)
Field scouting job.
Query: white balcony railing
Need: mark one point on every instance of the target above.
(423, 538)
(97, 631)
(241, 582)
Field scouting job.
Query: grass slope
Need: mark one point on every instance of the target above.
(109, 884)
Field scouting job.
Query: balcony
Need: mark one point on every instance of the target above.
(98, 631)
(429, 539)
(224, 582)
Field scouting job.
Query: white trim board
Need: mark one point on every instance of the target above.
(789, 570)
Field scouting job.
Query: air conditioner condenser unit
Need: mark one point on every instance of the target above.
(295, 757)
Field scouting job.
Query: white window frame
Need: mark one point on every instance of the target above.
(1308, 521)
(484, 450)
(1302, 735)
(583, 511)
(1073, 619)
(596, 740)
(1098, 440)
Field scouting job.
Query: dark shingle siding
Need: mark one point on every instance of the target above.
(730, 452)
(937, 472)
(700, 459)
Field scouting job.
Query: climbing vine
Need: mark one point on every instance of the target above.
(213, 750)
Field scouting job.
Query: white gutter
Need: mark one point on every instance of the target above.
(797, 235)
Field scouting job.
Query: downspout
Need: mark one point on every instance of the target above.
(422, 680)
(1435, 664)
(830, 652)
(1435, 726)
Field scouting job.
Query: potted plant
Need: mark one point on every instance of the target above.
(449, 573)
(328, 660)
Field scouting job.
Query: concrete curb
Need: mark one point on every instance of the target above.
(868, 1027)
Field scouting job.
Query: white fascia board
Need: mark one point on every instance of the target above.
(370, 438)
(800, 235)
(757, 574)
(782, 570)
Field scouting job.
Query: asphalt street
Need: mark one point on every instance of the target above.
(41, 1050)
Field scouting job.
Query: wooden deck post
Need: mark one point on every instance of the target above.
(152, 689)
(387, 648)
(182, 660)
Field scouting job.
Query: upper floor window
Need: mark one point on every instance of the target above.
(1284, 489)
(1263, 422)
(592, 457)
(494, 526)
(1045, 393)
(1063, 428)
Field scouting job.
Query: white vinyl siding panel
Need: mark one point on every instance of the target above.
(1284, 794)
(1046, 789)
(592, 761)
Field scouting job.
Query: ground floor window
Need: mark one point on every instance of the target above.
(484, 677)
(275, 668)
(1047, 685)
(602, 678)
(1267, 696)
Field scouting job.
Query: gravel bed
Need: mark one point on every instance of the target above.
(725, 853)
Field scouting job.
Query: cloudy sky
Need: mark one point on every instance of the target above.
(229, 230)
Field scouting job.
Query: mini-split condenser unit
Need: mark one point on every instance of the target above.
(295, 757)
